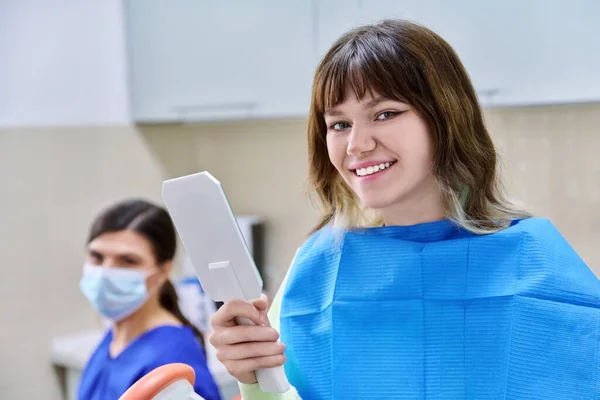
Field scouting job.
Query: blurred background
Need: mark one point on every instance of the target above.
(102, 100)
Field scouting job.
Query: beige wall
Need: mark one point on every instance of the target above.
(551, 162)
(54, 180)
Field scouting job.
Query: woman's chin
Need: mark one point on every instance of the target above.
(375, 202)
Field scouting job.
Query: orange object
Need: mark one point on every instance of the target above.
(151, 384)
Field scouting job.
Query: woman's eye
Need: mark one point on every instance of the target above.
(338, 126)
(129, 261)
(387, 115)
(95, 258)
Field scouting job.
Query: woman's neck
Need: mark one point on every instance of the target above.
(149, 316)
(426, 206)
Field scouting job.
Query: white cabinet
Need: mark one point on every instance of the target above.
(545, 51)
(62, 63)
(516, 52)
(333, 19)
(194, 60)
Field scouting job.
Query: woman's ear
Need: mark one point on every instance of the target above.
(162, 275)
(167, 267)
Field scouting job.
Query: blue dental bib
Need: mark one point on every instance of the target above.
(432, 311)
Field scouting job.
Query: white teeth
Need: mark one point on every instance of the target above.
(373, 169)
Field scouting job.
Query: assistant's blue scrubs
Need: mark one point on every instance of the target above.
(105, 377)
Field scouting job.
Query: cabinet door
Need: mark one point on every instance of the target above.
(458, 22)
(548, 51)
(214, 59)
(62, 63)
(516, 52)
(334, 18)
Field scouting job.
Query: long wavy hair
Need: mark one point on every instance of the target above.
(407, 62)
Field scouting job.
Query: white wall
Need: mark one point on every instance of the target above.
(62, 62)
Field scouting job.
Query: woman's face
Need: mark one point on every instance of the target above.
(124, 249)
(383, 150)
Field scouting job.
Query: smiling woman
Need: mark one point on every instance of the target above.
(421, 280)
(399, 94)
(383, 151)
(126, 279)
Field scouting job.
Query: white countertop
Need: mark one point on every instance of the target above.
(72, 352)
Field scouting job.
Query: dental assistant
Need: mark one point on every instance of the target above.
(130, 253)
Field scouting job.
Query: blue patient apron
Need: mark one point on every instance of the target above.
(432, 311)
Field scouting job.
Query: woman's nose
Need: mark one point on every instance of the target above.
(109, 263)
(360, 141)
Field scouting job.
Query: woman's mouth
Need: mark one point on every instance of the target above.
(373, 169)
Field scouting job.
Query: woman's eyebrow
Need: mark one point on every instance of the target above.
(332, 112)
(132, 256)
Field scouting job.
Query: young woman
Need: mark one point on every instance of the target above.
(126, 279)
(422, 280)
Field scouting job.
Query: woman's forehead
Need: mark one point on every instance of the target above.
(352, 93)
(120, 243)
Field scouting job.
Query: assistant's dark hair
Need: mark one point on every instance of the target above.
(153, 223)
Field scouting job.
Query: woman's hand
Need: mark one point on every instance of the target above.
(245, 348)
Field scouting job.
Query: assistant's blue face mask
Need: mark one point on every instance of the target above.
(115, 293)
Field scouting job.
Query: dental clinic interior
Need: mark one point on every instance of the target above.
(104, 100)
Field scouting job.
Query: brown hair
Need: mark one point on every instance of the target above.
(154, 223)
(407, 62)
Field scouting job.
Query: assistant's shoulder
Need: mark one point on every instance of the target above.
(178, 344)
(167, 342)
(173, 344)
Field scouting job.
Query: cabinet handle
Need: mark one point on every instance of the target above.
(488, 93)
(240, 105)
(215, 111)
